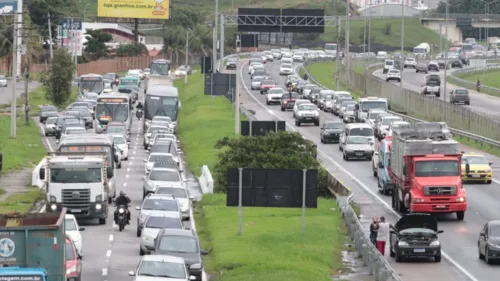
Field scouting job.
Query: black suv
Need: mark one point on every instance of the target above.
(433, 78)
(46, 111)
(182, 243)
(415, 235)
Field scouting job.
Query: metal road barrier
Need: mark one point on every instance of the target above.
(472, 85)
(462, 121)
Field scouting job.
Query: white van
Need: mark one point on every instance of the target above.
(381, 55)
(422, 50)
(357, 129)
(388, 65)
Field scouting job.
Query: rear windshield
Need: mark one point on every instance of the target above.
(365, 132)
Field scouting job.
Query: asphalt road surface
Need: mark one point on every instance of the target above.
(480, 103)
(6, 92)
(110, 254)
(459, 240)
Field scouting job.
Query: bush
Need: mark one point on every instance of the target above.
(58, 82)
(282, 150)
(388, 29)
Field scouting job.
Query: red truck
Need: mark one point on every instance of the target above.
(425, 168)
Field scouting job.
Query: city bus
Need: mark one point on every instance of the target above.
(113, 107)
(331, 49)
(160, 67)
(95, 143)
(91, 83)
(161, 100)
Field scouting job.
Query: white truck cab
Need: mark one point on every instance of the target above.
(388, 65)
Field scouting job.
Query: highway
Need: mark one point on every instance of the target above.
(480, 103)
(6, 92)
(459, 240)
(109, 254)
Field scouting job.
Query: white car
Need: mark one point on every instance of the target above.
(286, 69)
(3, 81)
(298, 57)
(357, 147)
(393, 75)
(410, 62)
(388, 64)
(156, 157)
(159, 137)
(295, 109)
(307, 113)
(372, 117)
(122, 144)
(383, 126)
(73, 231)
(182, 196)
(274, 95)
(382, 55)
(255, 68)
(252, 65)
(269, 55)
(287, 60)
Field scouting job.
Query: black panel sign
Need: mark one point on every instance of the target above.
(261, 128)
(272, 188)
(281, 20)
(249, 40)
(206, 64)
(220, 84)
(463, 22)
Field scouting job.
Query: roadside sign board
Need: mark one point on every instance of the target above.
(8, 7)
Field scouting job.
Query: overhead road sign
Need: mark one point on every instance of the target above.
(134, 9)
(8, 7)
(281, 20)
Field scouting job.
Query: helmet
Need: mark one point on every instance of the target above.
(123, 193)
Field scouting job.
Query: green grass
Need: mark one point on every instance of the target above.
(37, 98)
(21, 202)
(272, 246)
(323, 72)
(415, 33)
(488, 78)
(478, 145)
(203, 120)
(23, 151)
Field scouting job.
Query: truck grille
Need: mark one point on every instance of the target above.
(440, 190)
(75, 198)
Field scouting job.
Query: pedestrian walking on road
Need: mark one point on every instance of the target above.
(478, 85)
(373, 231)
(382, 235)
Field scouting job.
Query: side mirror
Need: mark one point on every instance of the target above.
(481, 234)
(371, 143)
(137, 208)
(131, 273)
(467, 168)
(180, 152)
(439, 231)
(490, 163)
(79, 256)
(191, 198)
(41, 174)
(181, 171)
(145, 160)
(392, 232)
(204, 252)
(128, 142)
(81, 229)
(322, 129)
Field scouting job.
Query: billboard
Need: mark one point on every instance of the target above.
(8, 7)
(135, 9)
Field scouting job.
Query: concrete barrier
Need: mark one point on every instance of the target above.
(35, 178)
(206, 180)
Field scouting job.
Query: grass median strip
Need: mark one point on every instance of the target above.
(323, 72)
(21, 202)
(203, 120)
(488, 78)
(272, 246)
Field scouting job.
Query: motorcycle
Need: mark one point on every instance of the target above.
(121, 219)
(138, 114)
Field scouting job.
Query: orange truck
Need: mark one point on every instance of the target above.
(425, 168)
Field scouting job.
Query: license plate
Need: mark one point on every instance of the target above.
(440, 206)
(359, 154)
(76, 210)
(476, 176)
(419, 250)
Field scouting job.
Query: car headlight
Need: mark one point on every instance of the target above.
(53, 207)
(142, 216)
(435, 243)
(487, 171)
(316, 113)
(98, 206)
(147, 238)
(494, 245)
(195, 266)
(148, 135)
(71, 270)
(184, 207)
(121, 211)
(460, 199)
(402, 243)
(53, 198)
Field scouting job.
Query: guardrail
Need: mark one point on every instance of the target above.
(471, 85)
(461, 120)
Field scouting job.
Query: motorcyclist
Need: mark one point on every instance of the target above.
(294, 87)
(306, 77)
(123, 200)
(138, 106)
(289, 85)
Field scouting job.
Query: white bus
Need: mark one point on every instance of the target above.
(331, 49)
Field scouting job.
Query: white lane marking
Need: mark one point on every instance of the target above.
(45, 137)
(132, 158)
(104, 272)
(111, 236)
(126, 175)
(366, 188)
(125, 184)
(128, 169)
(133, 152)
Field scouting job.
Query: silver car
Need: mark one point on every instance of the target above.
(161, 177)
(158, 267)
(342, 103)
(156, 157)
(255, 84)
(152, 226)
(348, 113)
(3, 81)
(50, 126)
(357, 147)
(182, 196)
(149, 133)
(156, 205)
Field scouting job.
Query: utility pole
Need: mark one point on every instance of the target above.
(347, 40)
(26, 77)
(13, 102)
(446, 50)
(50, 38)
(187, 49)
(402, 42)
(214, 49)
(369, 26)
(216, 26)
(364, 30)
(337, 55)
(18, 39)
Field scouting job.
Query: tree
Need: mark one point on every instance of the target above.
(57, 86)
(282, 150)
(95, 47)
(6, 38)
(131, 50)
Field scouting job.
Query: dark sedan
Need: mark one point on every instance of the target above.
(456, 63)
(433, 66)
(44, 109)
(489, 239)
(330, 131)
(421, 67)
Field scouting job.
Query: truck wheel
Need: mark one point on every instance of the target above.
(138, 232)
(460, 215)
(102, 221)
(437, 258)
(110, 200)
(141, 252)
(398, 257)
(282, 108)
(375, 173)
(121, 227)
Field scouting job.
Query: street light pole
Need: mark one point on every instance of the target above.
(369, 25)
(487, 11)
(402, 41)
(347, 41)
(364, 31)
(445, 49)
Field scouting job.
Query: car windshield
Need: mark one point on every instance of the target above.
(389, 63)
(75, 131)
(75, 175)
(357, 140)
(116, 129)
(157, 175)
(51, 120)
(286, 65)
(475, 160)
(394, 72)
(415, 230)
(388, 121)
(308, 107)
(71, 121)
(162, 269)
(163, 222)
(178, 244)
(177, 192)
(461, 92)
(350, 107)
(160, 205)
(268, 82)
(437, 168)
(70, 225)
(70, 252)
(334, 125)
(119, 140)
(258, 78)
(276, 91)
(375, 115)
(365, 132)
